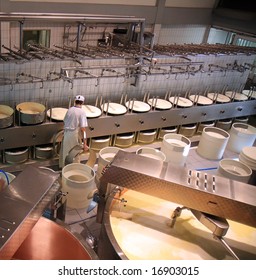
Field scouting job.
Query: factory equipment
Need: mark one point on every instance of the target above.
(112, 121)
(21, 136)
(31, 223)
(22, 204)
(211, 199)
(131, 63)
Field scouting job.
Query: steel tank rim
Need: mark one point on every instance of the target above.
(111, 237)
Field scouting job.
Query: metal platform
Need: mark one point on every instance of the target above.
(22, 203)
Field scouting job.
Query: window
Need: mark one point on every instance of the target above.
(38, 37)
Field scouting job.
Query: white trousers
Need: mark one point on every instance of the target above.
(70, 140)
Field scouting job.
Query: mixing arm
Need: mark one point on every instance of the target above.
(218, 226)
(175, 214)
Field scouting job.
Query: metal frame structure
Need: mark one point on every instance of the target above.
(22, 204)
(31, 135)
(212, 199)
(193, 189)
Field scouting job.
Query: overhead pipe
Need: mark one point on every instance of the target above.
(102, 50)
(4, 58)
(22, 56)
(79, 26)
(51, 52)
(34, 79)
(83, 52)
(74, 57)
(89, 74)
(45, 51)
(68, 17)
(31, 54)
(21, 35)
(92, 49)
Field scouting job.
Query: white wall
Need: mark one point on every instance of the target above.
(181, 34)
(57, 93)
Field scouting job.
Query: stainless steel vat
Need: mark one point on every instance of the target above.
(6, 116)
(31, 112)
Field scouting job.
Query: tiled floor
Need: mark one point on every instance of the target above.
(83, 223)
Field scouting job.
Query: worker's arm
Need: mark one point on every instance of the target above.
(83, 130)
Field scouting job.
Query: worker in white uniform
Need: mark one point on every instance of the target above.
(75, 123)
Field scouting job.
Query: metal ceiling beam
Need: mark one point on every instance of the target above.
(68, 17)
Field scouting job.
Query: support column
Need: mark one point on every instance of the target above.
(158, 19)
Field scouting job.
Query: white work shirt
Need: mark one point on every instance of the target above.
(75, 118)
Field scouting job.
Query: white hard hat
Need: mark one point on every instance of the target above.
(79, 98)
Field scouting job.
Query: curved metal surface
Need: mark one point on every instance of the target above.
(108, 247)
(49, 240)
(143, 228)
(22, 204)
